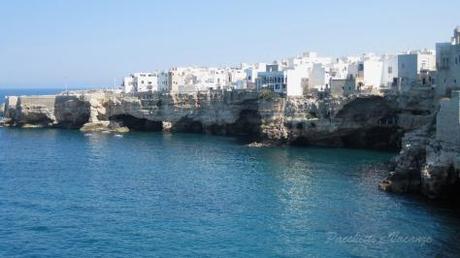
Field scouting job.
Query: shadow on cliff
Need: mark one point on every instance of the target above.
(366, 122)
(137, 124)
(246, 127)
(70, 112)
(370, 122)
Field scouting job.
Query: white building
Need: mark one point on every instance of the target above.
(176, 79)
(319, 77)
(411, 64)
(339, 68)
(140, 82)
(128, 84)
(287, 81)
(390, 71)
(237, 77)
(370, 72)
(192, 79)
(294, 80)
(308, 58)
(448, 65)
(252, 72)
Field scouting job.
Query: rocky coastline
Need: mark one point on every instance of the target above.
(426, 164)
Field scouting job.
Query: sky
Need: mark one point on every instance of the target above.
(91, 43)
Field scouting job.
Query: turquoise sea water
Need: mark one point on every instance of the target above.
(64, 193)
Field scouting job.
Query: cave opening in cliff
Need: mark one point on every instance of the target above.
(188, 125)
(247, 125)
(40, 120)
(381, 138)
(137, 124)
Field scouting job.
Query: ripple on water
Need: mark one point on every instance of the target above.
(63, 193)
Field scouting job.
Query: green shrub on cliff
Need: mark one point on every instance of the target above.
(267, 94)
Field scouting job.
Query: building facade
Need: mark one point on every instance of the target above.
(140, 82)
(448, 65)
(411, 64)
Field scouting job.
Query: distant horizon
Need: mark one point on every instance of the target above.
(53, 87)
(88, 44)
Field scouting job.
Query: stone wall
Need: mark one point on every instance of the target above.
(46, 111)
(448, 120)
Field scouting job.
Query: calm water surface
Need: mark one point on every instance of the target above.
(63, 193)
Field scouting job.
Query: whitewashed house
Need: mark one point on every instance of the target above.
(370, 73)
(252, 72)
(284, 81)
(140, 82)
(448, 65)
(294, 78)
(411, 64)
(389, 71)
(319, 77)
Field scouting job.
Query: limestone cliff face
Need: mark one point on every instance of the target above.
(369, 121)
(365, 121)
(46, 111)
(429, 161)
(228, 113)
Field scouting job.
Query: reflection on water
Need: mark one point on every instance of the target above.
(148, 194)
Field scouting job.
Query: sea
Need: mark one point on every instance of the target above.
(64, 193)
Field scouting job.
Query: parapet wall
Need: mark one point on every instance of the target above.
(46, 111)
(47, 101)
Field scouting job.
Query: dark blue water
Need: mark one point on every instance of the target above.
(63, 193)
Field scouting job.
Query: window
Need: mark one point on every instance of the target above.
(390, 69)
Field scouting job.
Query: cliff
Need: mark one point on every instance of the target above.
(46, 111)
(427, 162)
(360, 121)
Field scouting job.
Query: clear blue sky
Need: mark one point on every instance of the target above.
(88, 42)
